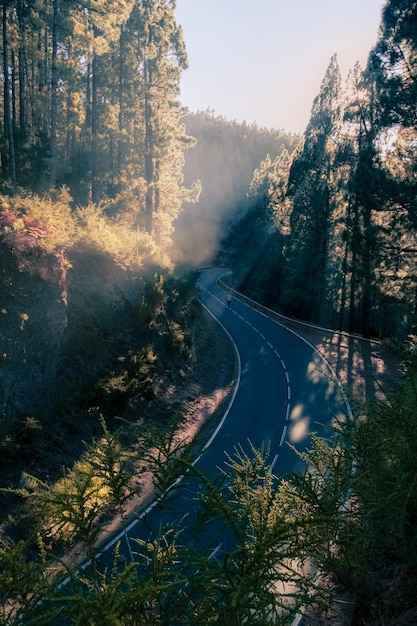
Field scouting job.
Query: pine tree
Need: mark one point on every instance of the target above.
(161, 57)
(309, 186)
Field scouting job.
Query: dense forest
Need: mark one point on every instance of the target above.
(111, 194)
(335, 224)
(91, 160)
(223, 159)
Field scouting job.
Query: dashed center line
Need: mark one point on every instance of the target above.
(277, 354)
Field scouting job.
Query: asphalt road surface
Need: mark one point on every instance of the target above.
(284, 391)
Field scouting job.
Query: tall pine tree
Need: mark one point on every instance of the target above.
(309, 186)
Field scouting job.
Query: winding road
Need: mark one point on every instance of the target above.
(284, 391)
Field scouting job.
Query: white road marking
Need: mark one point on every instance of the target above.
(275, 459)
(283, 436)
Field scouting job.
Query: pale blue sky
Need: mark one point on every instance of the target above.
(263, 60)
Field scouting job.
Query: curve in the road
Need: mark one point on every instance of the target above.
(280, 361)
(279, 394)
(313, 397)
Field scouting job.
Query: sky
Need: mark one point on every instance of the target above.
(263, 61)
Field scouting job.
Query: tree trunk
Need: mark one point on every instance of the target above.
(367, 272)
(320, 301)
(121, 101)
(54, 84)
(11, 165)
(22, 93)
(343, 288)
(13, 89)
(149, 149)
(94, 123)
(22, 66)
(354, 272)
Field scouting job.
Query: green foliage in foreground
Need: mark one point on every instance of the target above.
(346, 526)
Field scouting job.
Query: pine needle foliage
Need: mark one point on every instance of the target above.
(360, 495)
